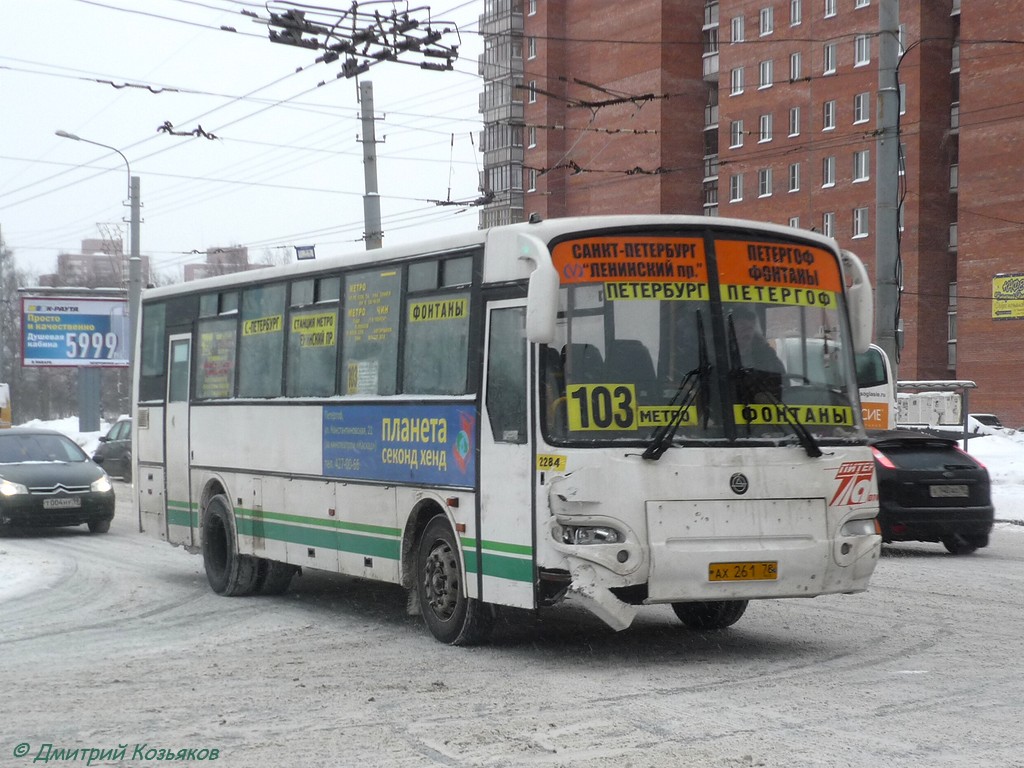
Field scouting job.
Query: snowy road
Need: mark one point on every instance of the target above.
(117, 639)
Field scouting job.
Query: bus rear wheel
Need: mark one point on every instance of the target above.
(229, 573)
(450, 616)
(715, 614)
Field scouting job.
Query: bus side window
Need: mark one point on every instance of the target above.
(506, 375)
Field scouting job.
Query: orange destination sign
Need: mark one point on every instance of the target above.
(632, 259)
(777, 273)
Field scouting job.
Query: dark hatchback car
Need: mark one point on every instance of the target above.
(114, 452)
(47, 480)
(930, 490)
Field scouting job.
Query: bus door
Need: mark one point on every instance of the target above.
(182, 521)
(505, 546)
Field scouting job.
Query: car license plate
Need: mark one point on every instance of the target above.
(756, 571)
(67, 502)
(948, 491)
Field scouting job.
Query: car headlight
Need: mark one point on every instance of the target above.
(102, 485)
(7, 488)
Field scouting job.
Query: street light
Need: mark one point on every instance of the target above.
(134, 260)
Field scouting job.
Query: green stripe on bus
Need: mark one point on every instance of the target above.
(379, 530)
(511, 568)
(498, 546)
(343, 542)
(181, 513)
(331, 534)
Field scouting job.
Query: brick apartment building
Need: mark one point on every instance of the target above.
(768, 109)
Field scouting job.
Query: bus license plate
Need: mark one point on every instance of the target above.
(948, 491)
(756, 571)
(70, 502)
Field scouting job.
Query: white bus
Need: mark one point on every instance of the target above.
(516, 416)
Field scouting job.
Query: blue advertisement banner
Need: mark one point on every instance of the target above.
(401, 443)
(74, 332)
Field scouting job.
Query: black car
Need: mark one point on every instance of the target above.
(930, 490)
(115, 450)
(47, 480)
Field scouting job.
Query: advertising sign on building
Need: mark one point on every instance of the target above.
(61, 331)
(1008, 296)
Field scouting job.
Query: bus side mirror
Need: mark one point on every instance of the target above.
(860, 302)
(542, 296)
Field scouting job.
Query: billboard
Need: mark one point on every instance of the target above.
(76, 332)
(1008, 296)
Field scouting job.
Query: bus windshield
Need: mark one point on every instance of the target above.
(675, 338)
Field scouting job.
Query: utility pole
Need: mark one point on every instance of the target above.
(134, 285)
(887, 149)
(371, 199)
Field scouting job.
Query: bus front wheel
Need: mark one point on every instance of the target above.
(229, 573)
(450, 616)
(715, 614)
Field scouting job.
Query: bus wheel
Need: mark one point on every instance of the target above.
(450, 616)
(273, 578)
(228, 572)
(716, 614)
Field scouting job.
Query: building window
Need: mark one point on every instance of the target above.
(862, 3)
(766, 74)
(861, 50)
(794, 177)
(736, 78)
(735, 134)
(954, 117)
(710, 167)
(861, 161)
(794, 121)
(796, 12)
(532, 92)
(764, 182)
(532, 133)
(951, 327)
(795, 66)
(828, 115)
(794, 221)
(532, 8)
(903, 98)
(828, 224)
(901, 159)
(735, 187)
(531, 48)
(767, 21)
(862, 107)
(828, 172)
(829, 59)
(766, 128)
(954, 177)
(860, 222)
(531, 180)
(830, 8)
(956, 58)
(954, 235)
(737, 29)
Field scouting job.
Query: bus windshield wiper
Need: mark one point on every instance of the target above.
(694, 381)
(757, 383)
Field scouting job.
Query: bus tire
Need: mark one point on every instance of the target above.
(450, 616)
(714, 614)
(230, 574)
(273, 578)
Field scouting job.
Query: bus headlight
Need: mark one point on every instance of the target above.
(864, 527)
(101, 486)
(590, 534)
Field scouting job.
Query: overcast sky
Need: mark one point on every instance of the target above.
(285, 168)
